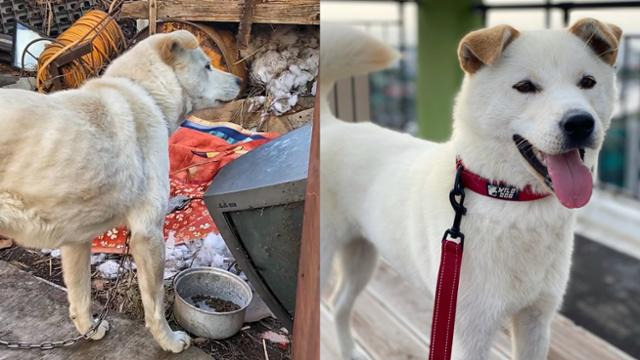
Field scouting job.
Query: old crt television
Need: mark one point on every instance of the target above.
(257, 202)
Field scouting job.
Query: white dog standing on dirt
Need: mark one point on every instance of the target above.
(76, 163)
(532, 111)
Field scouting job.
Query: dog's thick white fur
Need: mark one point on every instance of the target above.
(386, 194)
(76, 163)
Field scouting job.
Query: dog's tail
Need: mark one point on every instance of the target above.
(346, 51)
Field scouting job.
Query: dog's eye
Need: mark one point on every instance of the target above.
(208, 66)
(587, 82)
(526, 86)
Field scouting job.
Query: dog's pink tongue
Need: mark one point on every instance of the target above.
(572, 180)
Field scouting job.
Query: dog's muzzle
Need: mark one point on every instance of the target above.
(565, 174)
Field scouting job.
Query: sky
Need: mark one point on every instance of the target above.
(350, 11)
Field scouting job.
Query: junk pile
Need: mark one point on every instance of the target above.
(273, 46)
(284, 64)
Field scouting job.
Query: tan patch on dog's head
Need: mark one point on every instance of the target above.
(484, 47)
(174, 43)
(602, 38)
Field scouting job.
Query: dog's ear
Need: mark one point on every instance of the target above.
(602, 38)
(175, 43)
(483, 47)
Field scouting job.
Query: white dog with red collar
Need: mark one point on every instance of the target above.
(529, 120)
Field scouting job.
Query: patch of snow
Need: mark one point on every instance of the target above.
(210, 251)
(51, 252)
(109, 269)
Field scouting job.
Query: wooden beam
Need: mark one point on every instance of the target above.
(305, 12)
(244, 29)
(153, 16)
(306, 323)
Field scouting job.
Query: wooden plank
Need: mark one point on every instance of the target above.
(332, 100)
(305, 12)
(382, 317)
(349, 99)
(374, 326)
(362, 105)
(237, 112)
(413, 311)
(306, 326)
(244, 29)
(569, 341)
(153, 16)
(345, 100)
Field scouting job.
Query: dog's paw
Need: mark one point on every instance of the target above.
(178, 341)
(101, 331)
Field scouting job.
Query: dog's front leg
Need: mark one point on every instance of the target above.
(477, 322)
(530, 331)
(147, 248)
(76, 271)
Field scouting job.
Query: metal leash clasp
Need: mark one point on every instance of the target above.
(456, 197)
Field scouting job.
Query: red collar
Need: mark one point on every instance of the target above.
(496, 189)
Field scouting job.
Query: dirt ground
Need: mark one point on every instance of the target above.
(247, 344)
(6, 69)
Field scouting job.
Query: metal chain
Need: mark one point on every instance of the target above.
(48, 345)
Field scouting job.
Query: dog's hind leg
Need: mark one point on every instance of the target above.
(14, 218)
(354, 265)
(76, 271)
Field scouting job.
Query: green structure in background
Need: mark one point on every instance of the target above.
(441, 25)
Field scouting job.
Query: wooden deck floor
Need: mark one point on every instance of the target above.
(390, 322)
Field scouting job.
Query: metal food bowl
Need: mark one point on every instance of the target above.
(216, 283)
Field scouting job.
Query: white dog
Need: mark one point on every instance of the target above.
(76, 163)
(532, 113)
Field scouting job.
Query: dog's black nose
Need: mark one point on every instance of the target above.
(577, 126)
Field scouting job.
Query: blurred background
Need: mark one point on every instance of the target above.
(416, 96)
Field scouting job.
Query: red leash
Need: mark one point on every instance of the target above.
(444, 309)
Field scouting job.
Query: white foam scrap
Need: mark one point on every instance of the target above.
(274, 337)
(283, 62)
(97, 258)
(109, 269)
